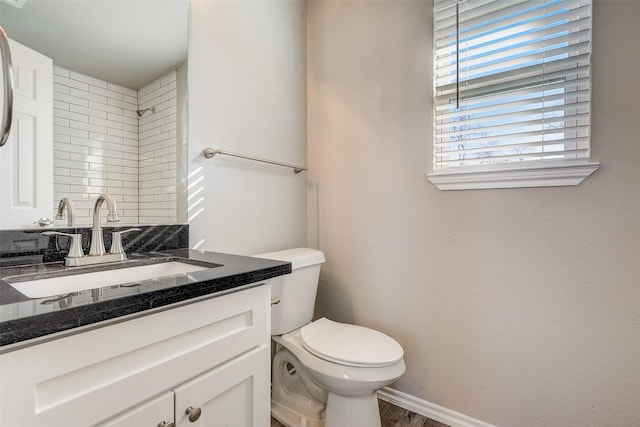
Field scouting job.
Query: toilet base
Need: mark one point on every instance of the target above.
(341, 412)
(307, 388)
(290, 418)
(349, 411)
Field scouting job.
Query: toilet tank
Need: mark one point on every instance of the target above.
(296, 291)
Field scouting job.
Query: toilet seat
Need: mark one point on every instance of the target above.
(350, 345)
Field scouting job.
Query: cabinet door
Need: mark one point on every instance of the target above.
(235, 394)
(148, 414)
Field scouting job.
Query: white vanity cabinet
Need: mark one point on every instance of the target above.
(211, 355)
(228, 395)
(154, 413)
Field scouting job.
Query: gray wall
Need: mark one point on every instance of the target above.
(517, 307)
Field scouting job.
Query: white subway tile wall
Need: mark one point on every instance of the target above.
(158, 133)
(95, 137)
(100, 146)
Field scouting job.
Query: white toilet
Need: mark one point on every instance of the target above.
(324, 373)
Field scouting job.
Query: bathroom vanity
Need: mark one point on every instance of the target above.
(192, 349)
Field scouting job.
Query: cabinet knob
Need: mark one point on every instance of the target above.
(194, 413)
(166, 424)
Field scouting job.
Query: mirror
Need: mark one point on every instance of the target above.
(119, 100)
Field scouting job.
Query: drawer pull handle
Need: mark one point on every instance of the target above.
(194, 413)
(275, 301)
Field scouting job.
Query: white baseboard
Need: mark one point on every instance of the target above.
(429, 410)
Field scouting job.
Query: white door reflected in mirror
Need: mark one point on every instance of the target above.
(25, 160)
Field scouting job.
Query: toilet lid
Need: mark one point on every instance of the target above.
(350, 344)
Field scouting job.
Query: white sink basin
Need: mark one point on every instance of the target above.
(43, 288)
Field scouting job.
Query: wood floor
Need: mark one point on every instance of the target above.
(393, 416)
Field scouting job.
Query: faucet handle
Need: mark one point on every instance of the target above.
(116, 240)
(75, 251)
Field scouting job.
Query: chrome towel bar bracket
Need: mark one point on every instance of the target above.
(210, 152)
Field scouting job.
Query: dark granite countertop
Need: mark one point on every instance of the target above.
(23, 319)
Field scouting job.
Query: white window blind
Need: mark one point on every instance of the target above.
(512, 81)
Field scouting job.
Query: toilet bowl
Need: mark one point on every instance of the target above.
(324, 373)
(350, 381)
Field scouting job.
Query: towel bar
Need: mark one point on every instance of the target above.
(210, 152)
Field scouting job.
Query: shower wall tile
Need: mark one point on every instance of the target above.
(101, 145)
(157, 152)
(95, 139)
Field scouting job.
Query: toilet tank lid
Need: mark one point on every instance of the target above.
(298, 257)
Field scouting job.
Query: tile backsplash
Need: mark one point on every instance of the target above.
(29, 246)
(101, 145)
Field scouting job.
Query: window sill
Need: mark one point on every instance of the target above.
(531, 174)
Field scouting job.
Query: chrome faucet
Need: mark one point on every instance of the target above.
(97, 253)
(68, 203)
(97, 240)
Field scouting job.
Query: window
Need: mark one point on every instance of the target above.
(512, 93)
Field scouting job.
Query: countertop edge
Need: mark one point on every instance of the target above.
(238, 271)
